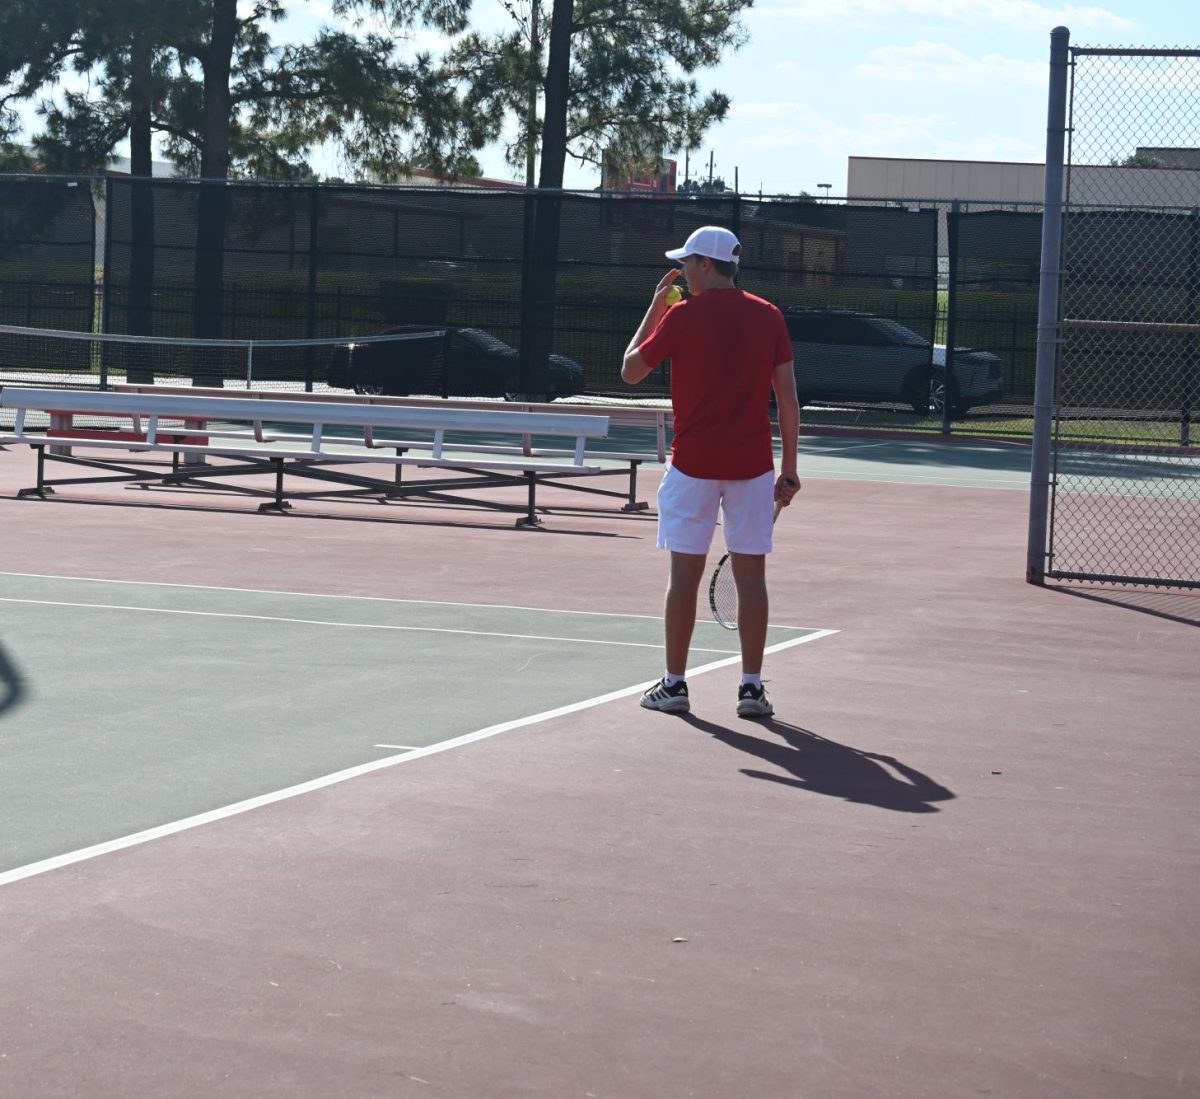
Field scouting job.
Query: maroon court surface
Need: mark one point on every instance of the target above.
(964, 859)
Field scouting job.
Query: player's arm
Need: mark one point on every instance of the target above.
(787, 405)
(634, 368)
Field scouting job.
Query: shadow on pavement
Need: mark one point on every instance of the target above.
(11, 689)
(824, 766)
(1176, 606)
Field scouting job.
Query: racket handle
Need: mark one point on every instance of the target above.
(779, 503)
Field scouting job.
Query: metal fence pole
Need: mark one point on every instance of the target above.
(1189, 365)
(949, 385)
(310, 290)
(1048, 326)
(105, 275)
(526, 351)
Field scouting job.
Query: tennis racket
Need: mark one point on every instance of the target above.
(722, 591)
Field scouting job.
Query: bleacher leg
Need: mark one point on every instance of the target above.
(634, 504)
(530, 519)
(279, 503)
(43, 490)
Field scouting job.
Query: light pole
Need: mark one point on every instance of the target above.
(827, 186)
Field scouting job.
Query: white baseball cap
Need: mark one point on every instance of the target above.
(711, 241)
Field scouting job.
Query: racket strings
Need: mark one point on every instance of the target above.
(722, 596)
(722, 591)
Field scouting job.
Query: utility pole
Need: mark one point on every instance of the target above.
(531, 118)
(541, 273)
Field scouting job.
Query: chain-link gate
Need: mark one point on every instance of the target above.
(1123, 454)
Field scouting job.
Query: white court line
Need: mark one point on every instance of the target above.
(1016, 481)
(159, 831)
(319, 594)
(349, 625)
(398, 747)
(334, 595)
(817, 451)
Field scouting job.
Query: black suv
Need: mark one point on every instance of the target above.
(843, 355)
(466, 362)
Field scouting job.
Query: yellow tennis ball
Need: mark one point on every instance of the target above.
(674, 294)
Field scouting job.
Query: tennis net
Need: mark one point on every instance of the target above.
(401, 362)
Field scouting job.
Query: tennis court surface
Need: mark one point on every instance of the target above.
(358, 801)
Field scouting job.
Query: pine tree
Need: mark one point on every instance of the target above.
(227, 101)
(632, 87)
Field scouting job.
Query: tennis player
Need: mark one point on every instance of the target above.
(728, 349)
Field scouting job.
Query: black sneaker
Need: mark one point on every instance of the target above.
(753, 701)
(671, 700)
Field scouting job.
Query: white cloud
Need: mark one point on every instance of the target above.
(1170, 74)
(1019, 14)
(415, 40)
(780, 127)
(938, 64)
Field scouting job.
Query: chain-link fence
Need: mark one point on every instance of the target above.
(334, 261)
(1125, 471)
(858, 280)
(48, 254)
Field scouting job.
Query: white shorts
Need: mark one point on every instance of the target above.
(688, 506)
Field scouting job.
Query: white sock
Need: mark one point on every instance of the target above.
(672, 679)
(755, 681)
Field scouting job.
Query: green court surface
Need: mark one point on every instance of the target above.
(956, 463)
(128, 706)
(915, 461)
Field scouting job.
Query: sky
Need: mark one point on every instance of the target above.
(819, 81)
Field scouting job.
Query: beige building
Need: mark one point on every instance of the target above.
(942, 181)
(1009, 185)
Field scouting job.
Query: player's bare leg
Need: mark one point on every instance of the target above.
(750, 576)
(679, 615)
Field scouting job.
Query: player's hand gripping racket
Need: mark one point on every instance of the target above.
(722, 591)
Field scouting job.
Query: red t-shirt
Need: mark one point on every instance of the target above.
(724, 346)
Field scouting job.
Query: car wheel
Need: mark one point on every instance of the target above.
(919, 390)
(938, 396)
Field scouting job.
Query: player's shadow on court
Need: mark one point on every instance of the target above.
(11, 689)
(823, 766)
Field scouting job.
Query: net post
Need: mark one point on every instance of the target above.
(1048, 303)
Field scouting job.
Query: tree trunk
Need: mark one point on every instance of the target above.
(214, 200)
(558, 78)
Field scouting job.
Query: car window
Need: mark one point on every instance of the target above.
(856, 330)
(823, 328)
(850, 328)
(896, 333)
(806, 327)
